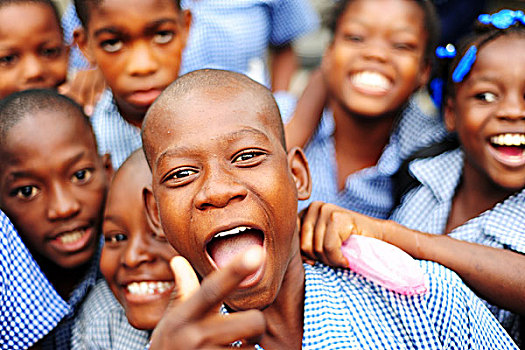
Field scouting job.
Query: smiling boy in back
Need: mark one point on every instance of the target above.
(52, 187)
(222, 183)
(137, 45)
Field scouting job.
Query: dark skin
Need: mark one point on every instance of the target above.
(137, 48)
(488, 103)
(371, 69)
(53, 186)
(227, 173)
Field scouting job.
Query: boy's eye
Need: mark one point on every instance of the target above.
(404, 46)
(163, 37)
(486, 97)
(113, 238)
(181, 174)
(111, 45)
(82, 176)
(158, 237)
(7, 60)
(353, 38)
(51, 52)
(249, 157)
(25, 192)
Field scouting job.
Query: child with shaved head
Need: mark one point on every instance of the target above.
(225, 191)
(121, 310)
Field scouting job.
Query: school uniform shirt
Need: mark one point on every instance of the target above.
(229, 34)
(117, 137)
(344, 310)
(60, 338)
(30, 307)
(102, 324)
(370, 190)
(235, 34)
(427, 208)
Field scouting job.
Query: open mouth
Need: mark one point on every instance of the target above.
(225, 245)
(74, 240)
(71, 237)
(371, 82)
(149, 287)
(509, 147)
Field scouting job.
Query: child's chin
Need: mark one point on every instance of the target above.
(145, 318)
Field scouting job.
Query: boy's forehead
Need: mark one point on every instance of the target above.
(43, 129)
(215, 112)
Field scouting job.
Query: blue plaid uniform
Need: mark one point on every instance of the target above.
(427, 208)
(114, 134)
(370, 190)
(344, 310)
(102, 324)
(30, 307)
(235, 34)
(60, 338)
(119, 138)
(229, 34)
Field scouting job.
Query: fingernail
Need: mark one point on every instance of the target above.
(88, 109)
(253, 257)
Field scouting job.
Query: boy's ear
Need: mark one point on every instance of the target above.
(449, 116)
(108, 166)
(186, 22)
(301, 173)
(152, 210)
(424, 74)
(81, 39)
(152, 217)
(326, 61)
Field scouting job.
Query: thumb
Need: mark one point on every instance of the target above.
(186, 280)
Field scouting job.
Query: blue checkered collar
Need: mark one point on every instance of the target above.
(429, 172)
(107, 107)
(505, 222)
(401, 143)
(89, 280)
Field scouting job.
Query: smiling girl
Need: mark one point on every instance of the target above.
(471, 198)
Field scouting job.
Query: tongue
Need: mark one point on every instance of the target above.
(510, 151)
(222, 250)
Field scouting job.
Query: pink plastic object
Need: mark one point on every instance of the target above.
(384, 264)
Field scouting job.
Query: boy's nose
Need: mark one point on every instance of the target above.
(141, 60)
(375, 50)
(33, 69)
(136, 251)
(62, 203)
(219, 189)
(512, 107)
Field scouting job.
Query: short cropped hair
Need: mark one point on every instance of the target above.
(430, 21)
(19, 105)
(84, 7)
(215, 79)
(49, 3)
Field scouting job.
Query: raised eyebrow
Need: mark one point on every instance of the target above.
(182, 150)
(107, 30)
(153, 26)
(116, 220)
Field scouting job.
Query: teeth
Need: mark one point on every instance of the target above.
(148, 288)
(233, 231)
(71, 237)
(508, 140)
(372, 80)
